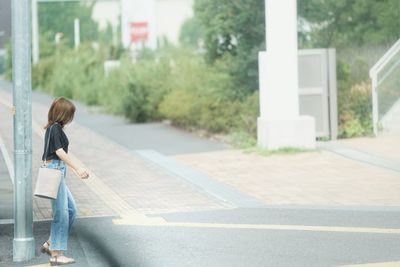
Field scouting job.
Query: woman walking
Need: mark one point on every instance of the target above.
(56, 156)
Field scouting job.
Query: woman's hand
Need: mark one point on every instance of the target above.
(82, 173)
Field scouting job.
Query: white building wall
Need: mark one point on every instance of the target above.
(165, 16)
(106, 12)
(170, 15)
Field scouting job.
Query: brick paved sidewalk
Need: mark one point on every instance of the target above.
(119, 176)
(122, 180)
(315, 178)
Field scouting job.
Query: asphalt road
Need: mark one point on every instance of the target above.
(102, 242)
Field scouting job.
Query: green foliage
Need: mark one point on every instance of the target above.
(217, 90)
(106, 36)
(59, 17)
(197, 94)
(8, 65)
(235, 28)
(2, 64)
(351, 128)
(41, 73)
(201, 96)
(341, 23)
(191, 33)
(242, 140)
(135, 90)
(173, 83)
(355, 107)
(248, 143)
(3, 61)
(72, 73)
(361, 31)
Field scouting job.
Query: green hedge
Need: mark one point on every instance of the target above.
(177, 84)
(172, 83)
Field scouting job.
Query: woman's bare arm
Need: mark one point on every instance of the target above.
(82, 172)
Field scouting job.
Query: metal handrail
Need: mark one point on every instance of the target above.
(373, 74)
(385, 59)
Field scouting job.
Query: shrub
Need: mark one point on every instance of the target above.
(356, 111)
(171, 83)
(136, 89)
(250, 110)
(75, 75)
(199, 95)
(42, 72)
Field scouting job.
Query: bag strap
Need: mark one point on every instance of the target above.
(47, 145)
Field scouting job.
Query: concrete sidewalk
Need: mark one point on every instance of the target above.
(385, 145)
(312, 178)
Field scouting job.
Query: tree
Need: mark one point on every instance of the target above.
(59, 17)
(234, 30)
(191, 33)
(343, 23)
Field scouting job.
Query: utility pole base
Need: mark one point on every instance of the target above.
(294, 133)
(23, 249)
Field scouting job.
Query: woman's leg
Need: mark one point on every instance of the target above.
(71, 213)
(60, 224)
(71, 210)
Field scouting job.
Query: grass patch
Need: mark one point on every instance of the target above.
(248, 143)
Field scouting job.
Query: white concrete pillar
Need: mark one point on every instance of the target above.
(279, 124)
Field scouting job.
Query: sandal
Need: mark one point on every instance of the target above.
(54, 261)
(45, 248)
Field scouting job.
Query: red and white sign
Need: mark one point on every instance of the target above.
(139, 31)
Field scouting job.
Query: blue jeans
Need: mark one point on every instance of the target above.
(64, 211)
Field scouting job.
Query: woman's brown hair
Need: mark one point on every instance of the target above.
(62, 111)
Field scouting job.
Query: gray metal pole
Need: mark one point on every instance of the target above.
(24, 243)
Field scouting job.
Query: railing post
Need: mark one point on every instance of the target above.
(374, 105)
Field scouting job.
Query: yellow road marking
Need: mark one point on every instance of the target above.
(378, 264)
(153, 222)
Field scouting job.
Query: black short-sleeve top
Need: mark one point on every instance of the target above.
(58, 139)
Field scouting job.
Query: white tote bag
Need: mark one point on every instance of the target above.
(48, 180)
